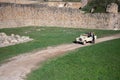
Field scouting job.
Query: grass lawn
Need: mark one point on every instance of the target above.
(96, 62)
(44, 37)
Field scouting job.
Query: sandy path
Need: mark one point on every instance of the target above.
(21, 65)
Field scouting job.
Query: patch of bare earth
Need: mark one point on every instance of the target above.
(21, 65)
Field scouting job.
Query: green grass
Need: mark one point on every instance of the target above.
(96, 62)
(47, 36)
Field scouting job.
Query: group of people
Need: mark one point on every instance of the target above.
(91, 34)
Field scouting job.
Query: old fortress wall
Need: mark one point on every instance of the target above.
(19, 15)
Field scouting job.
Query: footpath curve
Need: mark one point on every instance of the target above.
(18, 67)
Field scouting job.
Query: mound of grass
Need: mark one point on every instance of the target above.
(44, 37)
(96, 62)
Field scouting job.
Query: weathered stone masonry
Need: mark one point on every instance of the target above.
(19, 15)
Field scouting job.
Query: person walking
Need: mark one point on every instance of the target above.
(93, 37)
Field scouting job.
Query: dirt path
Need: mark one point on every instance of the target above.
(21, 65)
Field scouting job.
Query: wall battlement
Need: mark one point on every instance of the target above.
(17, 15)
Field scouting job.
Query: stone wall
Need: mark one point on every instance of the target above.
(74, 5)
(15, 15)
(112, 8)
(20, 1)
(13, 39)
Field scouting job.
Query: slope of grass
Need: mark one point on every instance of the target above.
(96, 62)
(43, 37)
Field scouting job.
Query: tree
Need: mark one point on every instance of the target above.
(99, 5)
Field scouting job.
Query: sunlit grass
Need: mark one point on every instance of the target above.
(97, 62)
(44, 37)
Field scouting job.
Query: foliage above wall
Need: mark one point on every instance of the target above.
(99, 5)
